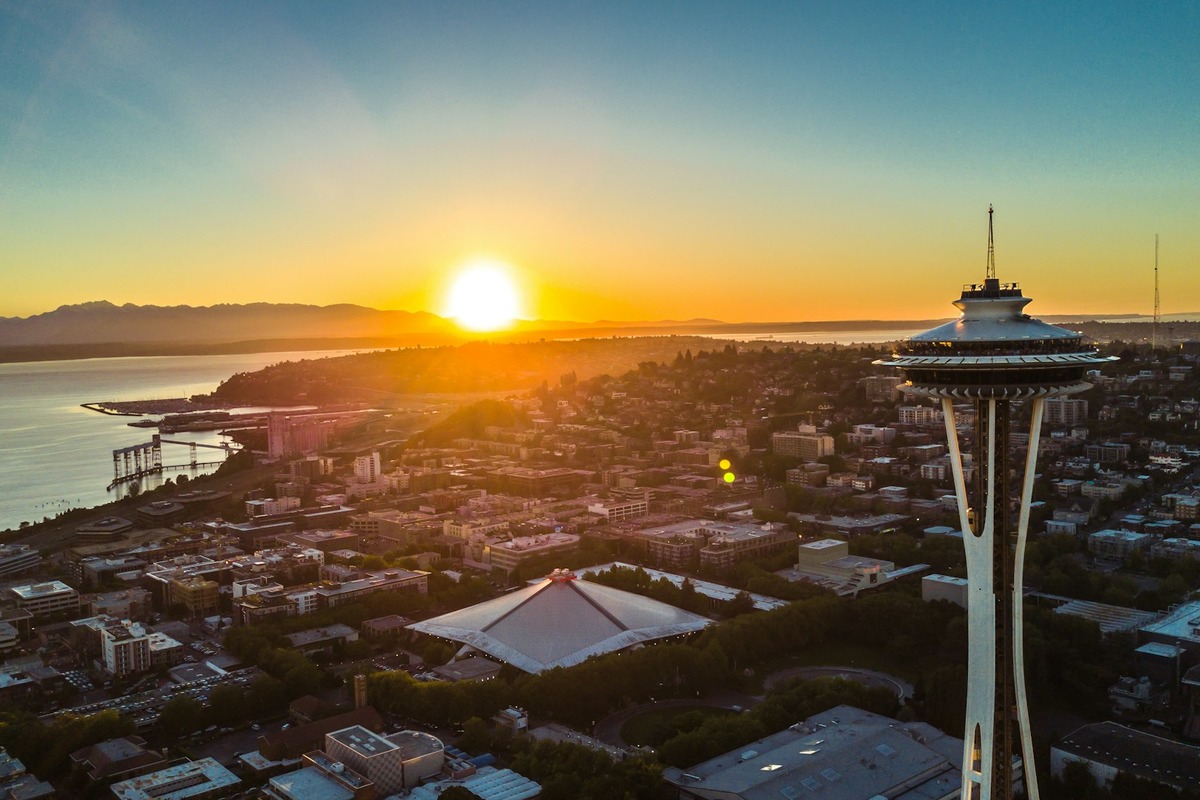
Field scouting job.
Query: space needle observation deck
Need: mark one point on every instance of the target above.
(995, 350)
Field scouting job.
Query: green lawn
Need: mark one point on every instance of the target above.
(657, 725)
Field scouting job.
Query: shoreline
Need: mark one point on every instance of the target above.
(145, 408)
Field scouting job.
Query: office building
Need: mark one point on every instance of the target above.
(1066, 412)
(46, 599)
(809, 446)
(17, 558)
(367, 469)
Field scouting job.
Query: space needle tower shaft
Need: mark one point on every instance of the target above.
(979, 366)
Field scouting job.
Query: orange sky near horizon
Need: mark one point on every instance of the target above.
(782, 163)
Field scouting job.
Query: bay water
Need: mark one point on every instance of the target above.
(56, 455)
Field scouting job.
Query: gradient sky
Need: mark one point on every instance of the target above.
(740, 161)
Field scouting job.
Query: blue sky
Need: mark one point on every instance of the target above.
(630, 161)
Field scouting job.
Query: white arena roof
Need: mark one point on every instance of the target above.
(560, 622)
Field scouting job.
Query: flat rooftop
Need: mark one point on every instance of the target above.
(314, 635)
(33, 590)
(947, 579)
(193, 778)
(1183, 624)
(1132, 751)
(1111, 619)
(310, 783)
(414, 744)
(365, 742)
(844, 752)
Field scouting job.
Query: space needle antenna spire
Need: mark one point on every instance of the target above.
(991, 257)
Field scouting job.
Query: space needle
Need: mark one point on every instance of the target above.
(992, 356)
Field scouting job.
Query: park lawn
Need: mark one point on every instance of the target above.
(648, 729)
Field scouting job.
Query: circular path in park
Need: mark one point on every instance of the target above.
(608, 730)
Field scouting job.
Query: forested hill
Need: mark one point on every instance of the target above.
(474, 367)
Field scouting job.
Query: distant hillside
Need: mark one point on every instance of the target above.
(380, 376)
(102, 329)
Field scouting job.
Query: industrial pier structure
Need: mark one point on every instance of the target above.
(992, 356)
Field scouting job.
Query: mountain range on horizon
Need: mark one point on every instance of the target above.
(102, 323)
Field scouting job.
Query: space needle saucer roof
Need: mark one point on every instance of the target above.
(994, 349)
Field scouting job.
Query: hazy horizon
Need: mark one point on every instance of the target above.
(694, 320)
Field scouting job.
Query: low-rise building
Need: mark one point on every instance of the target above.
(1176, 547)
(826, 525)
(618, 510)
(731, 543)
(18, 558)
(1108, 749)
(193, 780)
(46, 599)
(840, 754)
(1118, 544)
(382, 629)
(392, 763)
(270, 506)
(131, 603)
(116, 759)
(806, 445)
(1180, 627)
(508, 554)
(828, 562)
(200, 597)
(316, 639)
(944, 587)
(332, 593)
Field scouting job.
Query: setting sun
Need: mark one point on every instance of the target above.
(483, 297)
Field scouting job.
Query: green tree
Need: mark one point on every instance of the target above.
(181, 715)
(458, 793)
(475, 737)
(227, 705)
(266, 696)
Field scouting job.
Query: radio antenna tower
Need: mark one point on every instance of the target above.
(991, 259)
(1154, 330)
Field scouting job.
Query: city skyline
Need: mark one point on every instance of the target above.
(643, 162)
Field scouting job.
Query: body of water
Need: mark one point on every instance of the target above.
(55, 455)
(820, 337)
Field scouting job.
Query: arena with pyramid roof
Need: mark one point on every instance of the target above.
(559, 622)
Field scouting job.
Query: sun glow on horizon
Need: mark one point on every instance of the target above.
(483, 296)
